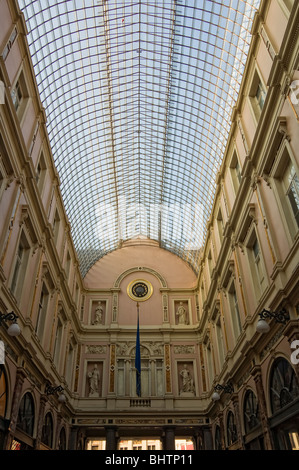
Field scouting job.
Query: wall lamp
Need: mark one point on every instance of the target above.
(280, 317)
(49, 390)
(226, 388)
(13, 329)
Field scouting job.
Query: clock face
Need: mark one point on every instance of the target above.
(140, 290)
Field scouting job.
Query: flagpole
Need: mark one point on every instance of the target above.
(138, 357)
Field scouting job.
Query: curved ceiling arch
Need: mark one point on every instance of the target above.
(138, 96)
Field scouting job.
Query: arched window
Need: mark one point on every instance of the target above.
(47, 431)
(217, 443)
(3, 391)
(283, 385)
(26, 414)
(251, 411)
(231, 429)
(62, 440)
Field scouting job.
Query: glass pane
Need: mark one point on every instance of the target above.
(139, 97)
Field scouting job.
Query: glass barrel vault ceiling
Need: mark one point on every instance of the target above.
(138, 97)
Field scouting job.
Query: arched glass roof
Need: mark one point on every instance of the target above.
(138, 97)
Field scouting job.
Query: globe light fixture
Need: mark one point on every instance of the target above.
(49, 390)
(226, 388)
(281, 316)
(13, 329)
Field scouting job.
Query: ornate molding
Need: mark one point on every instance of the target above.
(140, 269)
(184, 349)
(95, 349)
(147, 349)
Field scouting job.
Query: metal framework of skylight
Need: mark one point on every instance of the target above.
(138, 96)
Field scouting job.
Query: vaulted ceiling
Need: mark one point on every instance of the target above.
(138, 97)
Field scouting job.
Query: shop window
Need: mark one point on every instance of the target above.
(25, 420)
(284, 388)
(47, 431)
(251, 412)
(294, 440)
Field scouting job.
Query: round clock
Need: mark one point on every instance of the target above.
(140, 290)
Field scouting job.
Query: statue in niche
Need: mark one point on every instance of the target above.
(94, 382)
(181, 313)
(188, 385)
(99, 314)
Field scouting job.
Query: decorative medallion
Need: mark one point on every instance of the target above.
(140, 290)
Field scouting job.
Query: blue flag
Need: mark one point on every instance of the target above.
(138, 359)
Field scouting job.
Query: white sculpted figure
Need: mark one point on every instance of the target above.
(181, 313)
(99, 314)
(94, 382)
(188, 385)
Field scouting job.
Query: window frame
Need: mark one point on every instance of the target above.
(256, 83)
(20, 95)
(20, 266)
(256, 263)
(276, 173)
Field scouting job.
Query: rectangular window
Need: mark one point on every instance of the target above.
(260, 95)
(291, 183)
(210, 263)
(220, 224)
(235, 312)
(57, 344)
(220, 341)
(17, 95)
(211, 372)
(41, 170)
(70, 364)
(235, 170)
(67, 264)
(20, 267)
(256, 265)
(257, 95)
(20, 96)
(286, 190)
(42, 312)
(56, 224)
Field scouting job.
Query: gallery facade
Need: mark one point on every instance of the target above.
(69, 376)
